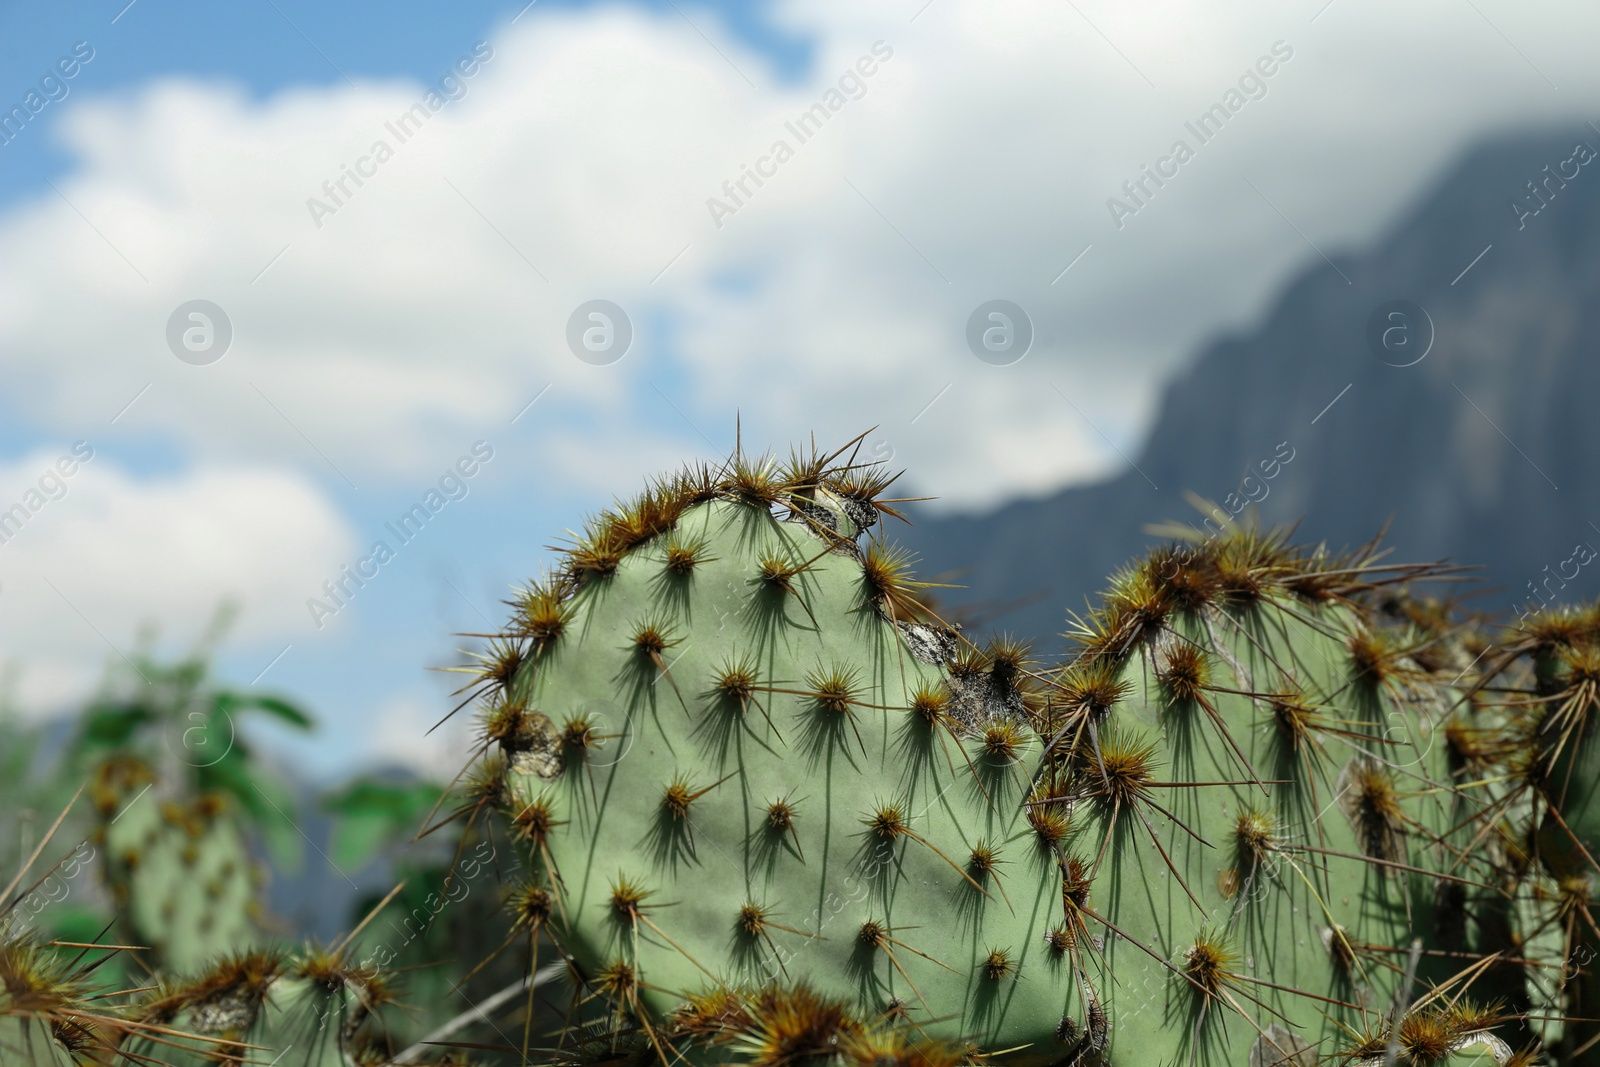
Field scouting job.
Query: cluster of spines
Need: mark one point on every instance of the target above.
(1232, 573)
(541, 611)
(758, 481)
(779, 1026)
(212, 1017)
(39, 989)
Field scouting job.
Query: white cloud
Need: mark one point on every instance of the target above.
(104, 554)
(402, 738)
(977, 165)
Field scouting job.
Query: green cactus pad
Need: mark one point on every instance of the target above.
(769, 796)
(762, 824)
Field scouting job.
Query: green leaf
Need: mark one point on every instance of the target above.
(285, 711)
(370, 813)
(207, 741)
(279, 823)
(113, 727)
(78, 923)
(402, 802)
(284, 843)
(230, 775)
(231, 701)
(358, 838)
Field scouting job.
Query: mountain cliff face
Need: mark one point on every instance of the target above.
(1485, 451)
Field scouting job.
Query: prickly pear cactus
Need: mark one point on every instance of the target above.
(1256, 771)
(179, 871)
(775, 809)
(1536, 695)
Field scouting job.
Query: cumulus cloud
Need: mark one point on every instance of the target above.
(95, 555)
(404, 740)
(975, 161)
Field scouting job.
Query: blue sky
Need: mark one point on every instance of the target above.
(441, 581)
(268, 45)
(373, 346)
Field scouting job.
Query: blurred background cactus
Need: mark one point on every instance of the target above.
(165, 856)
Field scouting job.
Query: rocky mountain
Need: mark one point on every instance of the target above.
(1480, 447)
